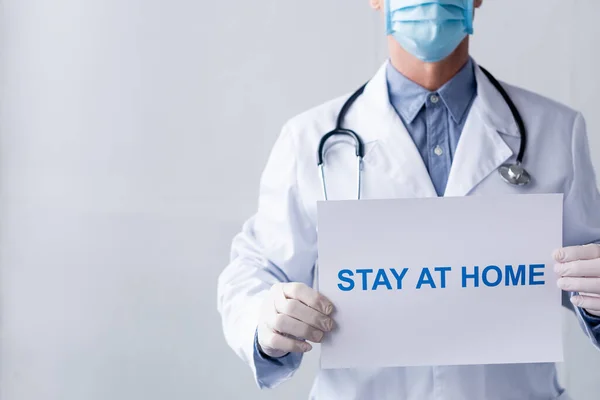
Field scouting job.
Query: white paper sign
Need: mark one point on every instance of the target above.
(441, 281)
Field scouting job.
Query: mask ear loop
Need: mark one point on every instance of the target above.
(469, 17)
(388, 17)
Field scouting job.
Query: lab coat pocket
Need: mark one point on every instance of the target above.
(378, 174)
(373, 156)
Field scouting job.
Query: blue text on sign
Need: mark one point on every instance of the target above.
(436, 278)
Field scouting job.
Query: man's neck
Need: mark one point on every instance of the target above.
(431, 76)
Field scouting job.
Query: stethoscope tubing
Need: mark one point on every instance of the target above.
(513, 174)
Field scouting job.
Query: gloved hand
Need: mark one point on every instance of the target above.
(579, 271)
(292, 313)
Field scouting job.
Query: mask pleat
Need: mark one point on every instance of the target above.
(429, 13)
(399, 4)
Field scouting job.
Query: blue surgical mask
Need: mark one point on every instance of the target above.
(429, 29)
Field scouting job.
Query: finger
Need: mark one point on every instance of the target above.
(574, 253)
(308, 296)
(588, 294)
(303, 313)
(580, 268)
(591, 285)
(287, 325)
(278, 342)
(589, 303)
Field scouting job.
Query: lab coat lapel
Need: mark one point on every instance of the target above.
(396, 152)
(481, 149)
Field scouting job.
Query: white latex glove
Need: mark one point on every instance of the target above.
(579, 271)
(291, 314)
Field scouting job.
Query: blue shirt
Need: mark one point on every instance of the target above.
(434, 120)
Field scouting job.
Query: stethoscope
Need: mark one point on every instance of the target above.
(513, 174)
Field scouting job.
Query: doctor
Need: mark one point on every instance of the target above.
(433, 125)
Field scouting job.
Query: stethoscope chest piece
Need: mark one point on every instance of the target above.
(514, 174)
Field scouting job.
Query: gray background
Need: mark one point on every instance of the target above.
(132, 137)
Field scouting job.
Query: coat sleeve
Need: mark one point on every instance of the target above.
(278, 244)
(582, 211)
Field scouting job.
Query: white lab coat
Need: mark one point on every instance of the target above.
(279, 243)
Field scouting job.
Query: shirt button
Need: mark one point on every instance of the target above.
(434, 98)
(438, 151)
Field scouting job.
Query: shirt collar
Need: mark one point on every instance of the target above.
(408, 97)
